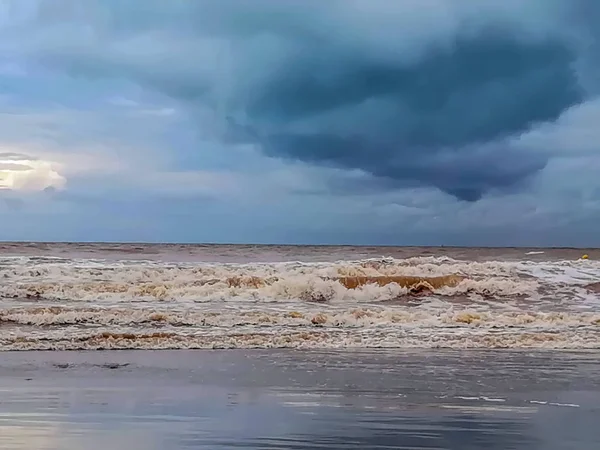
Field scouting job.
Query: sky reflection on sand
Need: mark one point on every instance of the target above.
(270, 400)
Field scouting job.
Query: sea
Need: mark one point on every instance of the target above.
(176, 347)
(57, 296)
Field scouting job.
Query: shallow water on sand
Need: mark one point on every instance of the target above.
(286, 399)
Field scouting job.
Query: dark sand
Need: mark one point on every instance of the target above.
(300, 400)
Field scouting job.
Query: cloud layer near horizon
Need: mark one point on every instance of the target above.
(429, 121)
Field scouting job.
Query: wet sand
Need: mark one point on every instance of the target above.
(285, 399)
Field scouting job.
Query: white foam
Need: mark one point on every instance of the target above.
(69, 304)
(564, 405)
(99, 281)
(482, 398)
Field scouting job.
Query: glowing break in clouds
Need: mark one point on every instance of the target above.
(24, 173)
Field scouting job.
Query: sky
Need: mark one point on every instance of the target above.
(413, 122)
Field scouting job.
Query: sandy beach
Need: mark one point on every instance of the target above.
(290, 399)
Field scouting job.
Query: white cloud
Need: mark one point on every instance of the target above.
(22, 174)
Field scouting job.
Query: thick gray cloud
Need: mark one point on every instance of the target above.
(413, 96)
(428, 122)
(344, 119)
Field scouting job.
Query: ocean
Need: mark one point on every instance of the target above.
(281, 347)
(139, 296)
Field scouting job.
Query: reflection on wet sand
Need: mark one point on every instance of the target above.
(299, 400)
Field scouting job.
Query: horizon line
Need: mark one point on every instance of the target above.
(250, 244)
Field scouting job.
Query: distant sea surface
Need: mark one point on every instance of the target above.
(139, 296)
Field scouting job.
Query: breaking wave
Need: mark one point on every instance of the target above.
(54, 303)
(366, 280)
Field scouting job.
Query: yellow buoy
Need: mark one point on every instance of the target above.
(585, 257)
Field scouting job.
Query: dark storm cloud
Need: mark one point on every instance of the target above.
(426, 123)
(356, 85)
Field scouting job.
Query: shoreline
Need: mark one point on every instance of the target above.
(338, 350)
